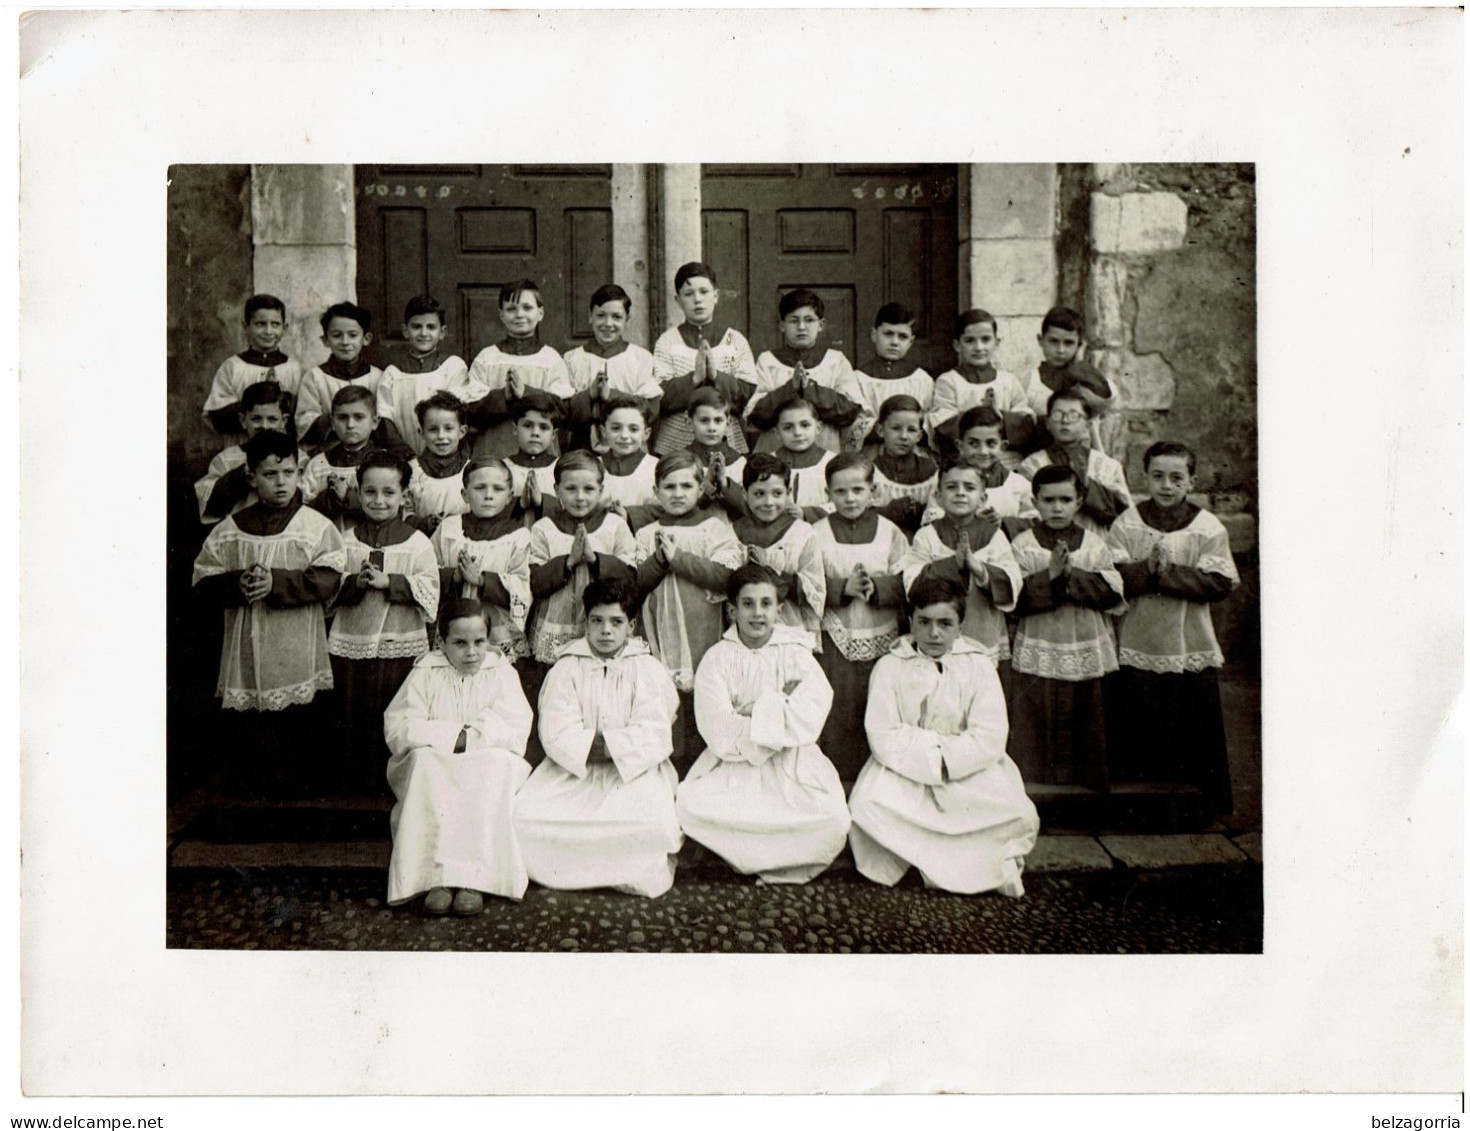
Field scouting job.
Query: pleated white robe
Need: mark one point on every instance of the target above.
(452, 824)
(612, 824)
(762, 795)
(939, 793)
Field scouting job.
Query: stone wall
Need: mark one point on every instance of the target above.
(1007, 254)
(1171, 316)
(210, 264)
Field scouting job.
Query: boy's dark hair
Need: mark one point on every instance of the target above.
(899, 402)
(534, 400)
(444, 401)
(424, 304)
(351, 394)
(933, 590)
(611, 292)
(694, 271)
(611, 591)
(481, 464)
(974, 317)
(1068, 395)
(751, 574)
(1054, 473)
(616, 401)
(763, 465)
(707, 396)
(263, 302)
(513, 290)
(1169, 448)
(264, 392)
(980, 416)
(263, 445)
(389, 461)
(579, 459)
(797, 403)
(349, 310)
(461, 608)
(847, 461)
(1063, 318)
(957, 463)
(795, 300)
(681, 460)
(894, 314)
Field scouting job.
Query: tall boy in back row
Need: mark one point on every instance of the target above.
(804, 367)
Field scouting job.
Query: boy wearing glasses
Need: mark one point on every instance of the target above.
(1105, 493)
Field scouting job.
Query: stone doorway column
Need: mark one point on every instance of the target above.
(304, 220)
(680, 233)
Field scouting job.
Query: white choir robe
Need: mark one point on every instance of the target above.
(605, 823)
(939, 792)
(762, 795)
(452, 823)
(399, 394)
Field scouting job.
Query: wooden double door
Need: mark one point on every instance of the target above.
(858, 235)
(460, 232)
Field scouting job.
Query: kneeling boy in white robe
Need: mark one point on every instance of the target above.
(939, 793)
(762, 795)
(599, 811)
(457, 730)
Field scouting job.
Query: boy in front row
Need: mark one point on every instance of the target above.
(599, 811)
(272, 567)
(762, 795)
(1164, 717)
(939, 792)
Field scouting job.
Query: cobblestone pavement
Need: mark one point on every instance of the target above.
(1204, 910)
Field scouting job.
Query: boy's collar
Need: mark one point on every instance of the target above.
(912, 468)
(976, 374)
(712, 331)
(810, 357)
(336, 367)
(564, 522)
(522, 347)
(488, 529)
(1168, 519)
(753, 532)
(339, 455)
(442, 467)
(890, 370)
(622, 465)
(541, 459)
(389, 532)
(1047, 538)
(801, 460)
(264, 358)
(597, 349)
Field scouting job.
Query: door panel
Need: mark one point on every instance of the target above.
(858, 235)
(460, 232)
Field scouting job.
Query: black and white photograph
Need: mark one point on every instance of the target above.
(729, 556)
(974, 444)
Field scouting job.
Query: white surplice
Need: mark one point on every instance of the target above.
(452, 824)
(762, 795)
(609, 822)
(939, 793)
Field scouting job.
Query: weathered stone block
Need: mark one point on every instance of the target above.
(1107, 283)
(1145, 383)
(1105, 222)
(1013, 201)
(1242, 531)
(1068, 854)
(303, 204)
(1250, 844)
(1013, 276)
(1173, 851)
(307, 280)
(1019, 351)
(1151, 221)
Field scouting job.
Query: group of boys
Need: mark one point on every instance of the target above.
(352, 480)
